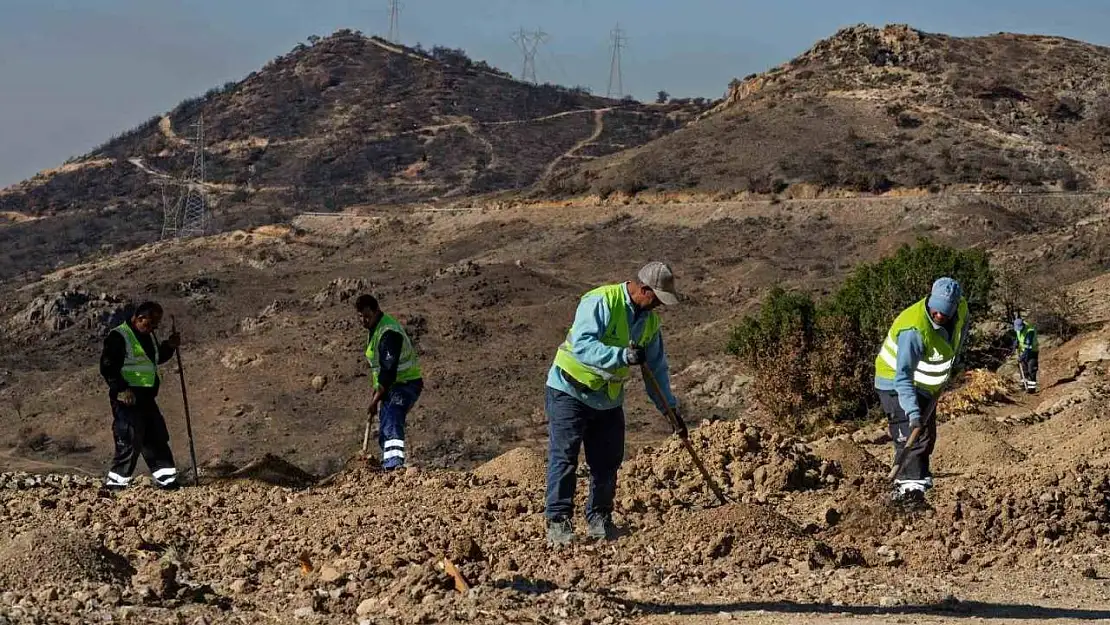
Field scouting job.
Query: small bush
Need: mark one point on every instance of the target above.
(813, 362)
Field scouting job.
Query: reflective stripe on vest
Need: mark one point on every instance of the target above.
(138, 369)
(617, 334)
(408, 369)
(935, 367)
(1027, 339)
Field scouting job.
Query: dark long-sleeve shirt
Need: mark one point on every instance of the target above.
(389, 346)
(114, 353)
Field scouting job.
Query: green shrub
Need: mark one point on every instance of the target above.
(874, 293)
(813, 362)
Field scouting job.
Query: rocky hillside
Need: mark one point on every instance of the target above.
(346, 120)
(871, 109)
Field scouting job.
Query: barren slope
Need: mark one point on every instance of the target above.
(349, 119)
(488, 294)
(870, 109)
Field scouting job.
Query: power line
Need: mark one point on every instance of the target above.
(394, 15)
(529, 42)
(617, 40)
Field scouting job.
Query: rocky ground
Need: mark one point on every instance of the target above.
(1016, 529)
(806, 534)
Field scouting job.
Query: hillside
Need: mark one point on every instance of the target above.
(871, 109)
(346, 120)
(488, 293)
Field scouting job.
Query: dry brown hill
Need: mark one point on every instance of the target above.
(348, 119)
(488, 293)
(874, 108)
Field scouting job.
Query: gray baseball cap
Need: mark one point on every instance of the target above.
(660, 278)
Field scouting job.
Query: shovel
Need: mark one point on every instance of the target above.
(650, 377)
(900, 459)
(185, 401)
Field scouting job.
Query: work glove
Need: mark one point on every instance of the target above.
(126, 397)
(634, 354)
(915, 421)
(174, 340)
(680, 424)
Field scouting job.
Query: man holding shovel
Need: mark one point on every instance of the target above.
(914, 364)
(615, 328)
(129, 364)
(395, 378)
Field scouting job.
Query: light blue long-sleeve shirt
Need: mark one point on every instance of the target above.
(590, 321)
(911, 349)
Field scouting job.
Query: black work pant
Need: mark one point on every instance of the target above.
(140, 430)
(570, 425)
(916, 466)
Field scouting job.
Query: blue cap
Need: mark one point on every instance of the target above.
(945, 297)
(1018, 324)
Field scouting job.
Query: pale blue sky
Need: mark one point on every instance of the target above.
(74, 72)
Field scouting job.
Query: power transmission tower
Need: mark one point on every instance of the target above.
(617, 40)
(394, 14)
(529, 42)
(169, 213)
(189, 216)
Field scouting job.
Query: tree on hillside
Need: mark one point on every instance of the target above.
(662, 97)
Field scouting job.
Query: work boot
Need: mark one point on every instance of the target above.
(909, 500)
(560, 532)
(601, 527)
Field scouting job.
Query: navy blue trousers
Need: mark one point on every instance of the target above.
(570, 425)
(391, 432)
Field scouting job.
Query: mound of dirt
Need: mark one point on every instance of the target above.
(854, 461)
(747, 461)
(339, 290)
(54, 556)
(974, 442)
(1068, 508)
(274, 470)
(520, 466)
(737, 536)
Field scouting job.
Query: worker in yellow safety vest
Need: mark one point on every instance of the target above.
(915, 362)
(615, 328)
(129, 364)
(395, 378)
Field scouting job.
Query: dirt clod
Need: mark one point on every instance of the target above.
(54, 556)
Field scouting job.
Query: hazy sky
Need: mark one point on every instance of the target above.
(74, 72)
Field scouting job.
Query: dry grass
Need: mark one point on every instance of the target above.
(977, 389)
